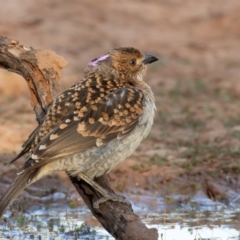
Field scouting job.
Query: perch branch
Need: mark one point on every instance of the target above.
(42, 71)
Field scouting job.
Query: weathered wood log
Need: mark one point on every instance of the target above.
(42, 71)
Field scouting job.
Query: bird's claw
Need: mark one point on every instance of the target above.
(111, 197)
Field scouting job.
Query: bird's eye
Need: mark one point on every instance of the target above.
(133, 62)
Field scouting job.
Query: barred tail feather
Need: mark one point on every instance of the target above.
(19, 184)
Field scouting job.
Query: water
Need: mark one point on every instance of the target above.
(200, 226)
(199, 219)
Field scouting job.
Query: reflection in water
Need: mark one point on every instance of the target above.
(177, 232)
(197, 220)
(62, 226)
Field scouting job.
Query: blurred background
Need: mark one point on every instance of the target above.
(194, 144)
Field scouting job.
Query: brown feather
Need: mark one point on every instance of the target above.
(19, 184)
(27, 144)
(117, 122)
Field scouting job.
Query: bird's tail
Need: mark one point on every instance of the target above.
(19, 184)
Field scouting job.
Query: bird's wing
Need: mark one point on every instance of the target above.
(94, 125)
(50, 120)
(27, 144)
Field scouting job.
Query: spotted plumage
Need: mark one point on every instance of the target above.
(93, 125)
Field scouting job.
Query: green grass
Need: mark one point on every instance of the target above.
(157, 160)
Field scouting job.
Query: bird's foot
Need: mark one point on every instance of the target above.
(111, 197)
(106, 196)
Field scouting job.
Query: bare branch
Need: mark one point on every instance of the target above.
(41, 69)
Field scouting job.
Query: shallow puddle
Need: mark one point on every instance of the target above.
(199, 219)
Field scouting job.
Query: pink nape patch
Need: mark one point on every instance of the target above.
(95, 61)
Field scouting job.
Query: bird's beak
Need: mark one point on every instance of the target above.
(149, 59)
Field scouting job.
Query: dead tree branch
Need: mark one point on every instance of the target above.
(42, 71)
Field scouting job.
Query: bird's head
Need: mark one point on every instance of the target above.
(127, 62)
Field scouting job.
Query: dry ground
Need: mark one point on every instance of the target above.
(195, 141)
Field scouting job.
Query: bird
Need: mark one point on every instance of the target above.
(92, 126)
